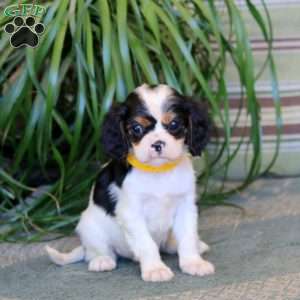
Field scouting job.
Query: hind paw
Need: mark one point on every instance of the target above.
(102, 263)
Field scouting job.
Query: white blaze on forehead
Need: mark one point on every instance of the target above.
(154, 98)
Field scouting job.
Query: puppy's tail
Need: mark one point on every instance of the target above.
(61, 259)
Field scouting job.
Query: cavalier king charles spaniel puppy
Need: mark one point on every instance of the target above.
(144, 200)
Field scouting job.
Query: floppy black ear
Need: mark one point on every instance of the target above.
(114, 141)
(199, 127)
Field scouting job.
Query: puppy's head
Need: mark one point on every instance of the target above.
(156, 124)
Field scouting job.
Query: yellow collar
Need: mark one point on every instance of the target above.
(168, 166)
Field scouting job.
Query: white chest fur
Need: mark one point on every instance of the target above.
(176, 182)
(155, 197)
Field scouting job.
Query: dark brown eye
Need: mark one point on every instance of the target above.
(174, 125)
(137, 129)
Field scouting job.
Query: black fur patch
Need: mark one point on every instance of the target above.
(113, 138)
(136, 108)
(194, 115)
(135, 105)
(114, 172)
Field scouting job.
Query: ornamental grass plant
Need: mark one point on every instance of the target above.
(93, 53)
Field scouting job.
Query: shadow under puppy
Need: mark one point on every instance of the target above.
(143, 201)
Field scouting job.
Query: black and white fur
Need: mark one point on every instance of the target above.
(137, 214)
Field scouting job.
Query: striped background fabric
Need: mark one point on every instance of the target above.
(285, 16)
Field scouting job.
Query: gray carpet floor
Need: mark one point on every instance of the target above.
(256, 253)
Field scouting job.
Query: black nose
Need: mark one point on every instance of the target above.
(158, 146)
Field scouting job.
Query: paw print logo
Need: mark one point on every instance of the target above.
(24, 32)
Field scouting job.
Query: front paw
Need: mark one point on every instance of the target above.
(157, 272)
(197, 267)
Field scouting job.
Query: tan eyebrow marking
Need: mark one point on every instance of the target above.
(143, 121)
(168, 117)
